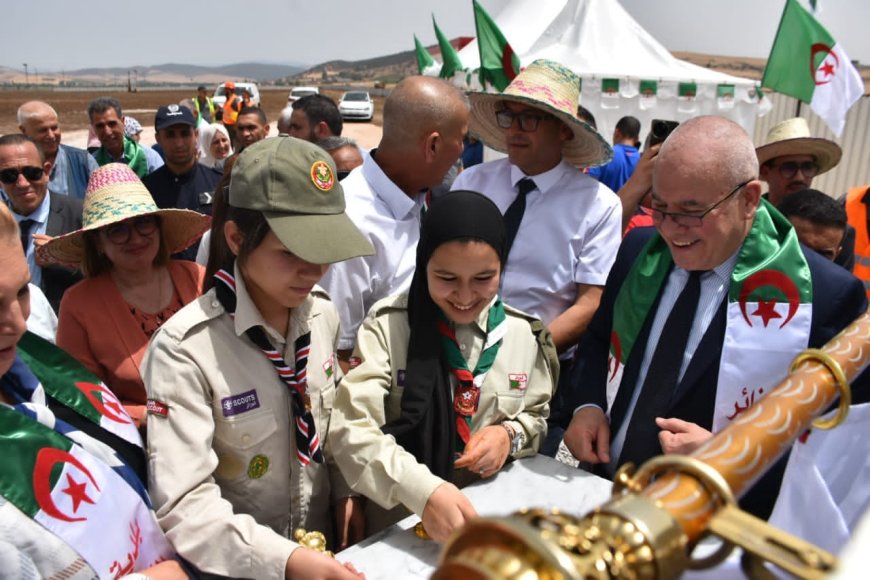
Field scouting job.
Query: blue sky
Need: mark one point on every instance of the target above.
(64, 34)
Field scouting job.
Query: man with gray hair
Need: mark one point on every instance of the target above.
(107, 121)
(702, 314)
(70, 167)
(425, 120)
(345, 152)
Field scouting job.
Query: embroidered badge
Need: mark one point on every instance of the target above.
(466, 399)
(155, 407)
(354, 362)
(400, 377)
(321, 176)
(329, 366)
(240, 403)
(518, 381)
(258, 466)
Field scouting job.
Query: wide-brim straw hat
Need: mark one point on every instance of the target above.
(115, 194)
(792, 137)
(554, 89)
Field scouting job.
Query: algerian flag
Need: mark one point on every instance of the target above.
(77, 497)
(89, 396)
(451, 63)
(425, 63)
(808, 64)
(498, 63)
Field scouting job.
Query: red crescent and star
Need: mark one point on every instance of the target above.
(765, 309)
(108, 405)
(46, 459)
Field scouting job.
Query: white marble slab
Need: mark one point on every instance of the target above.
(532, 482)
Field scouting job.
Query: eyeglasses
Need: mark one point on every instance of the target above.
(11, 174)
(120, 233)
(528, 120)
(790, 168)
(691, 220)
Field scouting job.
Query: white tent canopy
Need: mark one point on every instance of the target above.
(599, 40)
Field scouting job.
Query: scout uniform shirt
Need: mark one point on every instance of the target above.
(517, 390)
(223, 473)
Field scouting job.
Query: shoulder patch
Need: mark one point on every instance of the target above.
(519, 313)
(198, 312)
(391, 303)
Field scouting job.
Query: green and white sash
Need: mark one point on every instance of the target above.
(134, 157)
(769, 313)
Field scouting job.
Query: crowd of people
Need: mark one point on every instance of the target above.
(256, 334)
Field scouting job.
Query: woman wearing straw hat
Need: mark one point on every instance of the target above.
(241, 382)
(131, 286)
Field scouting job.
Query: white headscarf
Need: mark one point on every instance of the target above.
(206, 136)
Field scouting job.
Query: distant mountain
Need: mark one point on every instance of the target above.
(247, 70)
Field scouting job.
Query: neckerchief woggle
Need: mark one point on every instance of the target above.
(134, 157)
(768, 319)
(72, 484)
(307, 438)
(466, 396)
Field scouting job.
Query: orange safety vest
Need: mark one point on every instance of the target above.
(856, 212)
(231, 110)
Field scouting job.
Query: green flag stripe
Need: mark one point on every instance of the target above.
(493, 49)
(790, 69)
(424, 59)
(21, 438)
(449, 59)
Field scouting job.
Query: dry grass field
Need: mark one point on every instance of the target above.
(71, 105)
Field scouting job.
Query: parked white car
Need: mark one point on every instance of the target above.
(356, 105)
(298, 92)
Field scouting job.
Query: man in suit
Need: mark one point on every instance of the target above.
(41, 215)
(702, 314)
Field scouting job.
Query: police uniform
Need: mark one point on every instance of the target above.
(223, 472)
(516, 391)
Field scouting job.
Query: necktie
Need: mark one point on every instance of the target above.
(24, 226)
(514, 214)
(641, 440)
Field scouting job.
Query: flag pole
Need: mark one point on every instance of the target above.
(797, 109)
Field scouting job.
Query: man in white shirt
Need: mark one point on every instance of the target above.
(425, 120)
(564, 226)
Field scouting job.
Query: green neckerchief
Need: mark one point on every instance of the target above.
(467, 394)
(134, 157)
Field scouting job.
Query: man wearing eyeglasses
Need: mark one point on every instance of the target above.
(703, 314)
(563, 227)
(41, 215)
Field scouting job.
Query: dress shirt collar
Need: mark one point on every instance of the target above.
(722, 272)
(40, 216)
(247, 315)
(398, 202)
(544, 181)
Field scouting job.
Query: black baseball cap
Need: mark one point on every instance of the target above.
(169, 115)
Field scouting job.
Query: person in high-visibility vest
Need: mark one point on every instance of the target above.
(204, 105)
(232, 106)
(857, 199)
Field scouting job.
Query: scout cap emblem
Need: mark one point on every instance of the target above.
(321, 175)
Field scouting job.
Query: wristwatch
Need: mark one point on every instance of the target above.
(517, 438)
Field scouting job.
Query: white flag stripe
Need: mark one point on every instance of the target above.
(832, 100)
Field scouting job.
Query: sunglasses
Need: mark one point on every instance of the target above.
(790, 168)
(528, 121)
(11, 174)
(120, 233)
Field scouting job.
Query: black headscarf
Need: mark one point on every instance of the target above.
(426, 427)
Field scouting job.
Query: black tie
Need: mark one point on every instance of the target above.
(641, 440)
(514, 214)
(24, 226)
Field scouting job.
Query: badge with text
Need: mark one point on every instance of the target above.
(241, 403)
(155, 407)
(518, 381)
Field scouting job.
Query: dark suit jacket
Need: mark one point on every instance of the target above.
(64, 216)
(838, 298)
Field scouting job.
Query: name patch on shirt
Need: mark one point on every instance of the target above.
(155, 407)
(518, 381)
(329, 366)
(240, 403)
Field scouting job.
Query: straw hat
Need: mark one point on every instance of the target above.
(792, 137)
(114, 194)
(553, 88)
